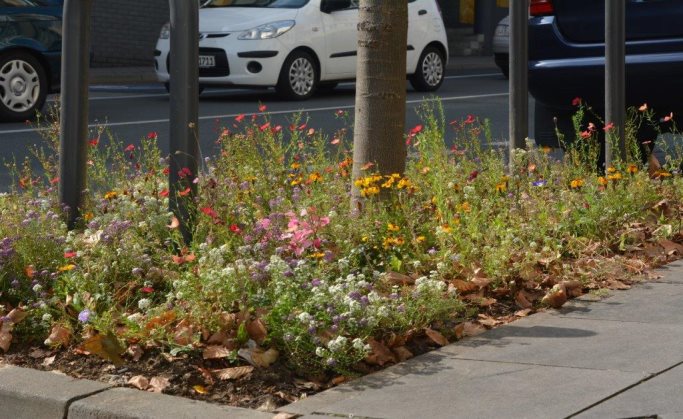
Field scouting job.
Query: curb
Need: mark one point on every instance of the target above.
(32, 394)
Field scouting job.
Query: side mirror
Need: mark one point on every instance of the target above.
(329, 6)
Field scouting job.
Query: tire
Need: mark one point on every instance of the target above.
(299, 77)
(430, 70)
(167, 86)
(23, 86)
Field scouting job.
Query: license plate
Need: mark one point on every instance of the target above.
(206, 61)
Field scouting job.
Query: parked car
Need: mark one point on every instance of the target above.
(30, 55)
(298, 46)
(501, 46)
(567, 59)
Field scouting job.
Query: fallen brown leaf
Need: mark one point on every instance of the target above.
(216, 352)
(105, 346)
(259, 357)
(556, 297)
(257, 331)
(184, 333)
(488, 321)
(396, 278)
(48, 361)
(59, 336)
(402, 353)
(200, 389)
(234, 373)
(523, 313)
(615, 284)
(472, 329)
(158, 384)
(465, 286)
(436, 337)
(522, 300)
(136, 352)
(379, 353)
(139, 381)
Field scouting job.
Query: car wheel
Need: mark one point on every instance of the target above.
(23, 86)
(430, 70)
(299, 77)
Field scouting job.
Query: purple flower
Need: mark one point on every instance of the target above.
(316, 282)
(84, 316)
(539, 183)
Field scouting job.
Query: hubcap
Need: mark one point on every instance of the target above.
(432, 69)
(19, 86)
(301, 76)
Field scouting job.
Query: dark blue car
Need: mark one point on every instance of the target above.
(30, 55)
(566, 58)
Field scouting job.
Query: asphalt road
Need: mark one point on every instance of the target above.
(130, 112)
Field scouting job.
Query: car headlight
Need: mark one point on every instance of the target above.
(267, 31)
(165, 31)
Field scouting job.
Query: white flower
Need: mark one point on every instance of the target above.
(304, 317)
(320, 351)
(47, 317)
(358, 344)
(144, 304)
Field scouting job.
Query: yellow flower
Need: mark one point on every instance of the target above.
(602, 181)
(110, 195)
(576, 183)
(611, 169)
(296, 181)
(317, 255)
(420, 239)
(632, 169)
(464, 207)
(546, 149)
(404, 184)
(501, 187)
(444, 228)
(392, 242)
(364, 239)
(389, 183)
(314, 177)
(370, 191)
(393, 227)
(66, 268)
(88, 216)
(614, 177)
(295, 166)
(662, 174)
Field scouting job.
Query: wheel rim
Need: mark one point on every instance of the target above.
(301, 76)
(432, 69)
(19, 85)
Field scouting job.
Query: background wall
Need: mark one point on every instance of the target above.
(124, 32)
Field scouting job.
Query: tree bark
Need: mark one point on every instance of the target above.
(380, 89)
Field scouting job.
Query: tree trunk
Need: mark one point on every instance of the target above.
(380, 89)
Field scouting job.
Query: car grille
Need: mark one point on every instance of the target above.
(222, 68)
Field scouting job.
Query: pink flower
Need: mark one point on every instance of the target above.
(130, 147)
(576, 101)
(262, 108)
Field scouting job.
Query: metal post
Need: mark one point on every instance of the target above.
(74, 106)
(184, 100)
(519, 87)
(615, 77)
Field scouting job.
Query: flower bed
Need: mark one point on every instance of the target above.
(282, 270)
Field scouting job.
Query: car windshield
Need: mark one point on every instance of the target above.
(285, 4)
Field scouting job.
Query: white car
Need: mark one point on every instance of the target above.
(298, 46)
(501, 46)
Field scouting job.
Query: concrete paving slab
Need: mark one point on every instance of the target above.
(547, 339)
(671, 273)
(660, 396)
(126, 403)
(438, 386)
(31, 394)
(645, 303)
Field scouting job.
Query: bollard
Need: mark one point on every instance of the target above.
(74, 106)
(615, 78)
(519, 87)
(184, 139)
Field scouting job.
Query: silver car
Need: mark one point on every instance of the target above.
(501, 45)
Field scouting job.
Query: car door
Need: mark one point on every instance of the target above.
(341, 40)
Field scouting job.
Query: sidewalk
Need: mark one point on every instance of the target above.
(618, 357)
(135, 75)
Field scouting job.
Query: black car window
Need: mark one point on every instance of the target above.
(29, 3)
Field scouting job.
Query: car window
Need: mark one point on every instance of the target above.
(26, 3)
(285, 4)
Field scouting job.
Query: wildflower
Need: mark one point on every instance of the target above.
(185, 192)
(66, 268)
(632, 169)
(643, 107)
(614, 177)
(393, 242)
(546, 149)
(94, 141)
(210, 212)
(295, 166)
(609, 127)
(110, 195)
(264, 126)
(611, 169)
(393, 227)
(470, 120)
(144, 303)
(576, 183)
(602, 181)
(88, 216)
(314, 177)
(239, 118)
(370, 191)
(586, 134)
(69, 255)
(235, 228)
(152, 135)
(164, 193)
(465, 207)
(660, 174)
(473, 175)
(84, 316)
(501, 187)
(668, 118)
(404, 184)
(539, 183)
(576, 101)
(262, 108)
(444, 228)
(420, 239)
